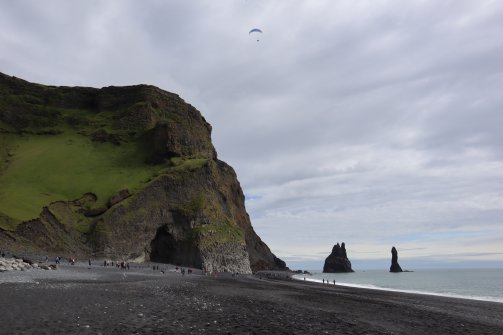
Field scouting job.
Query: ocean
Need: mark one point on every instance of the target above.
(476, 284)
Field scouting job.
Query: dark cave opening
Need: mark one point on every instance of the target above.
(166, 249)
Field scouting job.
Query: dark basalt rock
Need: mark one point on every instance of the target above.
(116, 198)
(92, 212)
(103, 136)
(395, 267)
(338, 260)
(28, 260)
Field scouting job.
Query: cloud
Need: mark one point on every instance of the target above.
(376, 123)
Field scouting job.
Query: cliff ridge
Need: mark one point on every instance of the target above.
(123, 172)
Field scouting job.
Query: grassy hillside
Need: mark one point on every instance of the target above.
(57, 143)
(39, 169)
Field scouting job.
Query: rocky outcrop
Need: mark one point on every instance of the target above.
(189, 211)
(192, 140)
(103, 136)
(18, 264)
(196, 218)
(338, 260)
(395, 267)
(116, 198)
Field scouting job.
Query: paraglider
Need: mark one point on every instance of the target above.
(255, 32)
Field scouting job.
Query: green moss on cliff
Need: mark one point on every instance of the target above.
(68, 215)
(7, 223)
(45, 169)
(217, 233)
(192, 207)
(180, 164)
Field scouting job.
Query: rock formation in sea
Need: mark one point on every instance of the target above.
(395, 267)
(119, 172)
(338, 260)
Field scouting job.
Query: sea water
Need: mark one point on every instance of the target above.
(477, 284)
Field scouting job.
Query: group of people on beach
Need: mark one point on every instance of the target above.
(123, 265)
(182, 271)
(58, 260)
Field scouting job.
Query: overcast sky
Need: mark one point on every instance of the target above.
(376, 123)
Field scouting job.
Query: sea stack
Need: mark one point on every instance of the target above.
(338, 260)
(395, 267)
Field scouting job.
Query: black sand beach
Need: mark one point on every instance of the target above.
(78, 300)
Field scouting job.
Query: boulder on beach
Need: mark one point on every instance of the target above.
(395, 267)
(21, 264)
(338, 260)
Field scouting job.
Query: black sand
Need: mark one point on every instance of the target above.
(104, 301)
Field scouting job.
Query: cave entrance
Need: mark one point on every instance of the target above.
(166, 249)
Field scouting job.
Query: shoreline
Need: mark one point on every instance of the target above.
(389, 289)
(75, 299)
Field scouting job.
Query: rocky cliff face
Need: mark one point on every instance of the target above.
(187, 209)
(395, 267)
(338, 260)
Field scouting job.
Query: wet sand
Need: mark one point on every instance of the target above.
(78, 300)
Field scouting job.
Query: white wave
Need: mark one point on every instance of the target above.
(378, 288)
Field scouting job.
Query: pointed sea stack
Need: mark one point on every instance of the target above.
(338, 260)
(395, 267)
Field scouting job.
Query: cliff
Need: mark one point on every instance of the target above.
(338, 260)
(124, 172)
